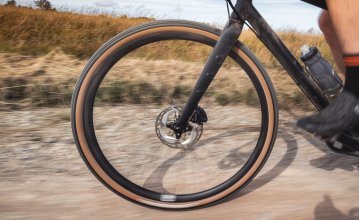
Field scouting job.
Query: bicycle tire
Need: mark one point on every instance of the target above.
(97, 68)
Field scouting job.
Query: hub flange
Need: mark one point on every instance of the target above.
(166, 133)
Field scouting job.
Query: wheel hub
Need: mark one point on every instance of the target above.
(165, 132)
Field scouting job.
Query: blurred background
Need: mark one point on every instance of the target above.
(44, 45)
(56, 31)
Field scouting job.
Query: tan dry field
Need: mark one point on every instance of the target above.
(49, 80)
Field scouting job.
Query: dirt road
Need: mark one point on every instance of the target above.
(43, 177)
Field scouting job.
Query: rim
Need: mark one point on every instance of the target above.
(199, 196)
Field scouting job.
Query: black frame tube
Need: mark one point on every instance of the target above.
(228, 38)
(274, 44)
(220, 52)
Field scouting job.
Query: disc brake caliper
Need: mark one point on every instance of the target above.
(199, 116)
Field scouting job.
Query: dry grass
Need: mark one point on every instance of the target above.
(27, 81)
(292, 39)
(36, 32)
(36, 36)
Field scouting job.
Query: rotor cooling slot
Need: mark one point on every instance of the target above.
(167, 136)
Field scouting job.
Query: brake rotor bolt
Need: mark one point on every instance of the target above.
(173, 135)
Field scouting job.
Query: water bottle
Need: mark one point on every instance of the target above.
(321, 71)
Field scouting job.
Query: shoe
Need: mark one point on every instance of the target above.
(340, 115)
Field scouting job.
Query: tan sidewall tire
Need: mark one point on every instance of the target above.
(79, 133)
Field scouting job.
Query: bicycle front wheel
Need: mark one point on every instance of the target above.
(138, 82)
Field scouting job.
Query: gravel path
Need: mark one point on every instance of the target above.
(43, 177)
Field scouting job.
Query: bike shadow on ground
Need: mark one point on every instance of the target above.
(330, 160)
(326, 210)
(279, 168)
(158, 175)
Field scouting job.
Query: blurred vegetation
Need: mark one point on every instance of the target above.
(42, 94)
(292, 39)
(38, 32)
(51, 93)
(44, 5)
(10, 3)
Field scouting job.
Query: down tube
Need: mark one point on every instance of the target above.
(285, 57)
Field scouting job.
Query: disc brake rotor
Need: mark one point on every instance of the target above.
(168, 136)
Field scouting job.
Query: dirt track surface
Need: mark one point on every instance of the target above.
(43, 177)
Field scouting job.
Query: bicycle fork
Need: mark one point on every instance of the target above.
(222, 49)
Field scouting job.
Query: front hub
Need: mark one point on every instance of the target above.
(166, 129)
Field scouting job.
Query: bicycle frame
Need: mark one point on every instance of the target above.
(230, 34)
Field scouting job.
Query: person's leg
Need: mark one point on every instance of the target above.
(343, 113)
(344, 17)
(327, 28)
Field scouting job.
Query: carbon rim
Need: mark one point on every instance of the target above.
(106, 166)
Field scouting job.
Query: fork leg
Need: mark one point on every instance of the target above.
(220, 52)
